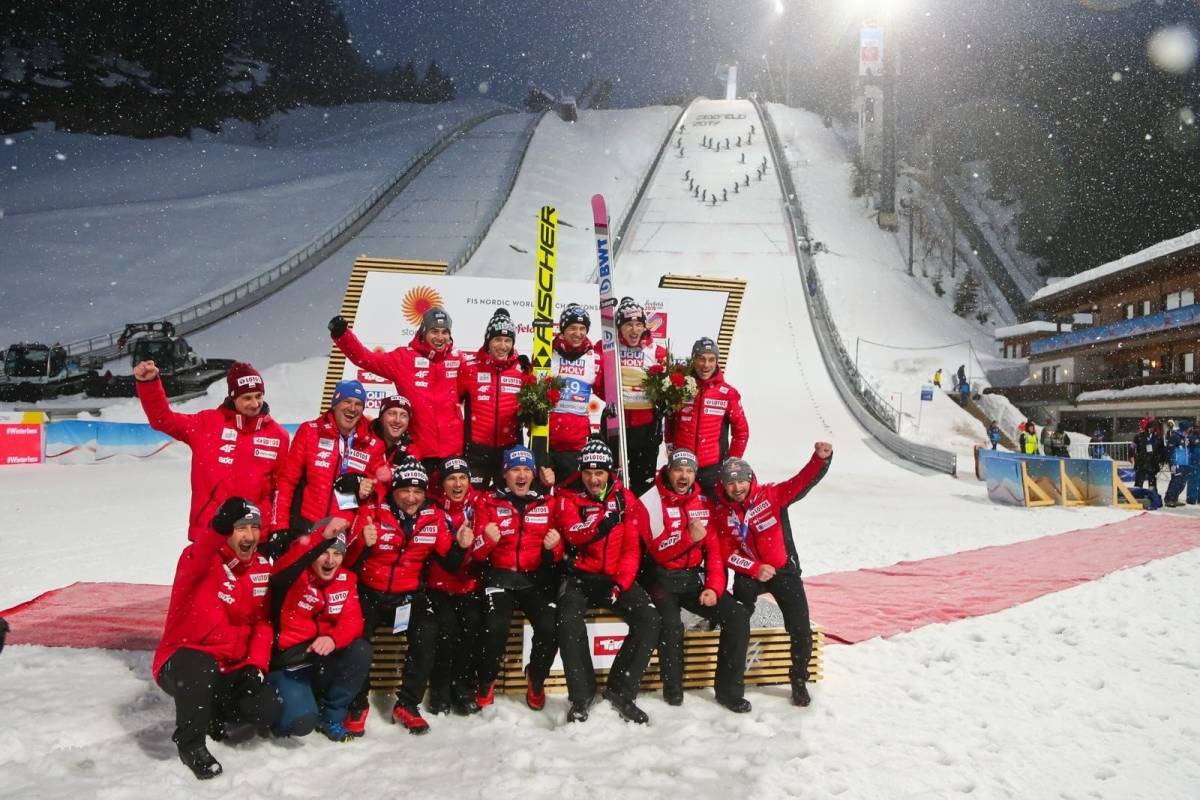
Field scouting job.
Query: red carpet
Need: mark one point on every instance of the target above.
(850, 606)
(853, 606)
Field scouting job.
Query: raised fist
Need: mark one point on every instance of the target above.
(823, 450)
(145, 371)
(338, 326)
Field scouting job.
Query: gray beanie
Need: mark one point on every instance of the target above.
(435, 317)
(705, 345)
(736, 469)
(682, 457)
(339, 544)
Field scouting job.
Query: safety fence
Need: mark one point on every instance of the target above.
(872, 411)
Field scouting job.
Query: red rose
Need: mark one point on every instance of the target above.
(553, 396)
(657, 369)
(677, 379)
(528, 378)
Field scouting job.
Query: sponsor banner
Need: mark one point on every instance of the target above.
(21, 438)
(604, 642)
(870, 51)
(85, 441)
(675, 317)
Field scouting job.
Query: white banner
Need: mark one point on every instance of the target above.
(604, 642)
(392, 303)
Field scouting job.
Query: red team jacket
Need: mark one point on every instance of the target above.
(521, 534)
(315, 461)
(580, 370)
(219, 605)
(617, 554)
(396, 564)
(666, 536)
(699, 426)
(635, 360)
(430, 382)
(232, 455)
(756, 531)
(490, 388)
(312, 607)
(465, 579)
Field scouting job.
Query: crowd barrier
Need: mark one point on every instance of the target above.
(77, 441)
(1034, 481)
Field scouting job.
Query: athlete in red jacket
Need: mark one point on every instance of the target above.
(689, 572)
(577, 362)
(396, 541)
(321, 657)
(237, 449)
(636, 354)
(488, 385)
(756, 539)
(331, 464)
(455, 600)
(516, 539)
(601, 520)
(704, 425)
(426, 372)
(216, 642)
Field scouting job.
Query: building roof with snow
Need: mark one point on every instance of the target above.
(1068, 289)
(1029, 329)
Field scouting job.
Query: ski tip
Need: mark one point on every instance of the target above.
(599, 209)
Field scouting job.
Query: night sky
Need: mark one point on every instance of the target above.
(660, 48)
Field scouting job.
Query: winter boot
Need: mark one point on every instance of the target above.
(410, 717)
(487, 696)
(800, 696)
(200, 761)
(626, 708)
(738, 705)
(535, 694)
(356, 722)
(578, 712)
(335, 731)
(439, 703)
(673, 696)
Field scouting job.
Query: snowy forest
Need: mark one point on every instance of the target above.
(144, 68)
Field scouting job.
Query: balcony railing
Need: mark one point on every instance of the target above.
(1033, 393)
(1125, 329)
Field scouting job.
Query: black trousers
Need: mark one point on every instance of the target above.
(485, 465)
(456, 664)
(708, 477)
(1145, 472)
(380, 608)
(681, 588)
(526, 593)
(641, 445)
(564, 463)
(204, 695)
(579, 592)
(788, 591)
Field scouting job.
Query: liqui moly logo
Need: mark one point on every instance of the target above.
(607, 645)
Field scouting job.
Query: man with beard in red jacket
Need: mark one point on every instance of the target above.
(392, 546)
(689, 572)
(704, 425)
(216, 642)
(320, 658)
(601, 520)
(577, 361)
(489, 384)
(518, 545)
(756, 540)
(636, 354)
(426, 372)
(329, 467)
(455, 599)
(237, 449)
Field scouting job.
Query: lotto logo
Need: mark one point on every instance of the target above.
(249, 380)
(607, 645)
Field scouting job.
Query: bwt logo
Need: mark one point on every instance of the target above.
(607, 645)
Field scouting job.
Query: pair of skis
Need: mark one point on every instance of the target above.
(543, 328)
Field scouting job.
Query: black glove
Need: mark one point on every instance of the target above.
(3, 633)
(338, 326)
(523, 362)
(348, 483)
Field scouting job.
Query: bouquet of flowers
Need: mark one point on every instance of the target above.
(669, 388)
(538, 397)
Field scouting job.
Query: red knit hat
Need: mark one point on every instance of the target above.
(395, 401)
(242, 379)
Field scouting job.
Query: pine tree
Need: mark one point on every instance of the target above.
(966, 294)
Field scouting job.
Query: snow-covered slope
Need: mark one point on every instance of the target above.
(97, 231)
(606, 152)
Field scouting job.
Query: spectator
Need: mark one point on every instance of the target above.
(993, 432)
(1146, 450)
(1178, 456)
